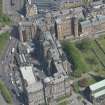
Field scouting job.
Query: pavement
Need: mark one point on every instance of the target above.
(5, 60)
(7, 57)
(2, 101)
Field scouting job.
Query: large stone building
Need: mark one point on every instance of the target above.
(58, 68)
(33, 88)
(39, 89)
(93, 26)
(66, 27)
(31, 9)
(27, 30)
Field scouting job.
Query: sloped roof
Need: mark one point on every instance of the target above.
(97, 85)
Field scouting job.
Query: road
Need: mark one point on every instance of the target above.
(7, 56)
(5, 61)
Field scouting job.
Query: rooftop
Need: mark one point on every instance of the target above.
(94, 21)
(28, 75)
(97, 85)
(100, 93)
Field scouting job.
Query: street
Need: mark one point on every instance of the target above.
(5, 62)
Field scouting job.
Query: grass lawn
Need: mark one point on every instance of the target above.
(3, 39)
(4, 19)
(95, 56)
(91, 58)
(76, 58)
(92, 53)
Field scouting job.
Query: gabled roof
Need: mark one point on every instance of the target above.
(97, 85)
(98, 94)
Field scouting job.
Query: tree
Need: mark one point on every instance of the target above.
(84, 45)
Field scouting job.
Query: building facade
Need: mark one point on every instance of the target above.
(97, 92)
(92, 27)
(27, 31)
(66, 27)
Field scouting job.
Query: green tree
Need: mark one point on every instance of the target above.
(76, 58)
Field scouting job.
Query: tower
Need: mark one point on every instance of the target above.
(75, 26)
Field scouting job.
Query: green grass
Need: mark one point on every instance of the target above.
(63, 103)
(62, 98)
(3, 39)
(76, 58)
(87, 55)
(95, 59)
(5, 93)
(4, 19)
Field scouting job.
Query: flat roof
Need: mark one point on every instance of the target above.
(98, 94)
(97, 85)
(28, 75)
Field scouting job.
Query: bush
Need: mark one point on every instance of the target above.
(5, 92)
(76, 58)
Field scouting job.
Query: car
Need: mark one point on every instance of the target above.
(10, 74)
(10, 38)
(13, 50)
(2, 62)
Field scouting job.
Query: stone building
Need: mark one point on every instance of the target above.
(66, 27)
(56, 88)
(33, 87)
(69, 3)
(93, 26)
(52, 87)
(57, 84)
(27, 30)
(31, 10)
